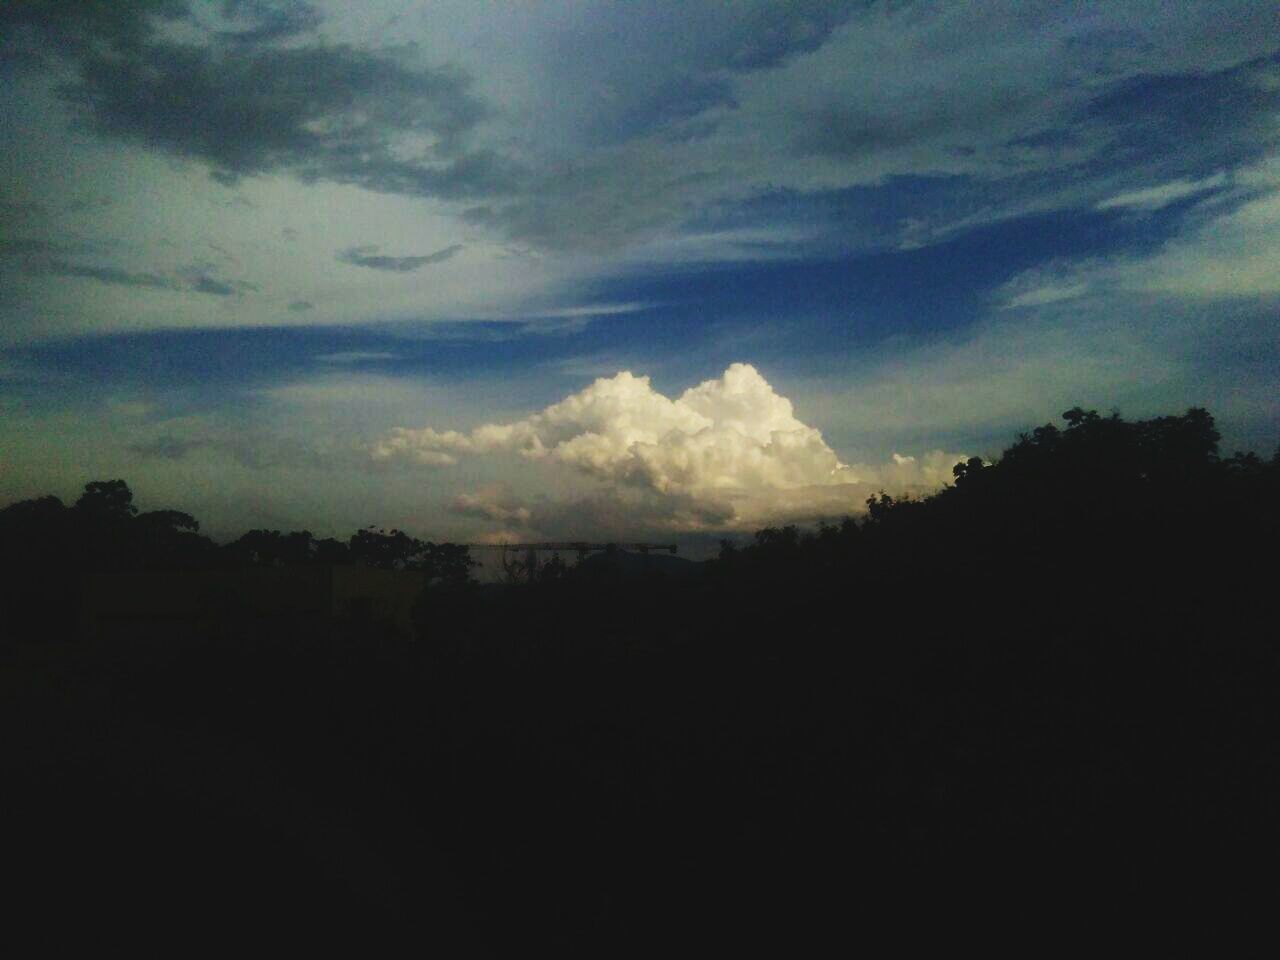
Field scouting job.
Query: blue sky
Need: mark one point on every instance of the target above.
(294, 264)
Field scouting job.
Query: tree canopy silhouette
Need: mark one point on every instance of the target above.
(1100, 492)
(1052, 679)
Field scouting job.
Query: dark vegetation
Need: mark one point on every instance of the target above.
(1049, 692)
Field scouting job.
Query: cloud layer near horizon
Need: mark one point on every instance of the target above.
(284, 227)
(730, 452)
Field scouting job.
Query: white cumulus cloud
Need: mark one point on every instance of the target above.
(493, 502)
(730, 447)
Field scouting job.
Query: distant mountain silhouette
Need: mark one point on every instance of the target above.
(632, 565)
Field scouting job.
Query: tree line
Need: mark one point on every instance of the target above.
(103, 531)
(1043, 693)
(1099, 492)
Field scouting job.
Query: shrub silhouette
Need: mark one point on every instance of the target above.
(1050, 684)
(1101, 492)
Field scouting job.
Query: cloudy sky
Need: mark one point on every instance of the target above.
(568, 269)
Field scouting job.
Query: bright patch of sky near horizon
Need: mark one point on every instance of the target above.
(245, 242)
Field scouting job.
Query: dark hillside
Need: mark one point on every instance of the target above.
(1043, 697)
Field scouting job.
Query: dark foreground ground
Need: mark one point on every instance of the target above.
(644, 768)
(1035, 708)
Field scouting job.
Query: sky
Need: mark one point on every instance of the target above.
(575, 270)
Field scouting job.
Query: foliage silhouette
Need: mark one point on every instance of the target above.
(1146, 495)
(1047, 688)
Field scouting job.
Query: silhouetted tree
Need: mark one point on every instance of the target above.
(273, 548)
(170, 540)
(331, 551)
(394, 550)
(518, 568)
(1102, 490)
(1045, 679)
(106, 498)
(553, 571)
(446, 565)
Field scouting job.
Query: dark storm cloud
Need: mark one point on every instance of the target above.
(1151, 124)
(29, 30)
(45, 258)
(652, 114)
(1161, 120)
(26, 246)
(368, 257)
(203, 283)
(262, 21)
(663, 105)
(998, 122)
(319, 112)
(1173, 89)
(322, 113)
(654, 66)
(474, 174)
(744, 36)
(849, 133)
(768, 34)
(34, 250)
(75, 25)
(110, 275)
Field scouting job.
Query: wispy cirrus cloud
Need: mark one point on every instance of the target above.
(1161, 195)
(368, 256)
(111, 275)
(356, 356)
(655, 119)
(42, 258)
(1226, 251)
